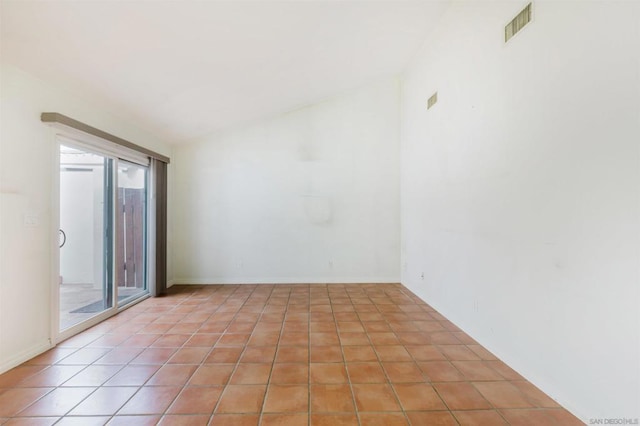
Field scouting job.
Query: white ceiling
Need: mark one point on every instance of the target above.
(183, 69)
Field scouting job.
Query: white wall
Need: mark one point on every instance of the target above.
(308, 196)
(27, 174)
(520, 192)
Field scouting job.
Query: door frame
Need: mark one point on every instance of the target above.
(74, 141)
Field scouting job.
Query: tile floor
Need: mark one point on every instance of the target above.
(274, 355)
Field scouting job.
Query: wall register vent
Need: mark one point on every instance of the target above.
(518, 23)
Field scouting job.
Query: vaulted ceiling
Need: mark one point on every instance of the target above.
(183, 69)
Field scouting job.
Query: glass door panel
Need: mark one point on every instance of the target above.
(130, 259)
(86, 222)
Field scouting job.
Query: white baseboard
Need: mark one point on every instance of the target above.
(25, 355)
(285, 280)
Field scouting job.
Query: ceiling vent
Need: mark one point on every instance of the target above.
(432, 100)
(518, 23)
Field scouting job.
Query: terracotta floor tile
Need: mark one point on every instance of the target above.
(104, 401)
(189, 356)
(139, 341)
(83, 421)
(12, 401)
(528, 417)
(383, 419)
(285, 420)
(331, 398)
(241, 399)
(458, 353)
(93, 375)
(154, 356)
(31, 421)
(460, 335)
(326, 354)
(258, 354)
(52, 376)
(196, 400)
(505, 371)
(394, 353)
(251, 374)
(482, 352)
(440, 371)
(476, 371)
(503, 395)
(133, 375)
(403, 372)
(354, 338)
(305, 354)
(150, 400)
(428, 325)
(324, 339)
(366, 372)
(234, 420)
(425, 353)
(57, 402)
(14, 376)
(370, 316)
(172, 375)
(156, 328)
(288, 354)
(350, 326)
(403, 326)
(384, 338)
(413, 338)
(375, 397)
(418, 397)
(233, 339)
(294, 339)
(479, 418)
(206, 340)
(563, 418)
(359, 353)
(443, 338)
(185, 420)
(287, 398)
(431, 418)
(224, 355)
(534, 395)
(376, 326)
(134, 421)
(120, 356)
(213, 326)
(334, 420)
(49, 357)
(79, 340)
(212, 375)
(241, 327)
(290, 373)
(346, 316)
(461, 396)
(83, 356)
(327, 373)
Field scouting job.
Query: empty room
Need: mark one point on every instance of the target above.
(319, 213)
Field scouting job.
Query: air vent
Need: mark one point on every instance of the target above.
(518, 23)
(432, 100)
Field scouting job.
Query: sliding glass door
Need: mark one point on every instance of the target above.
(86, 223)
(131, 253)
(103, 234)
